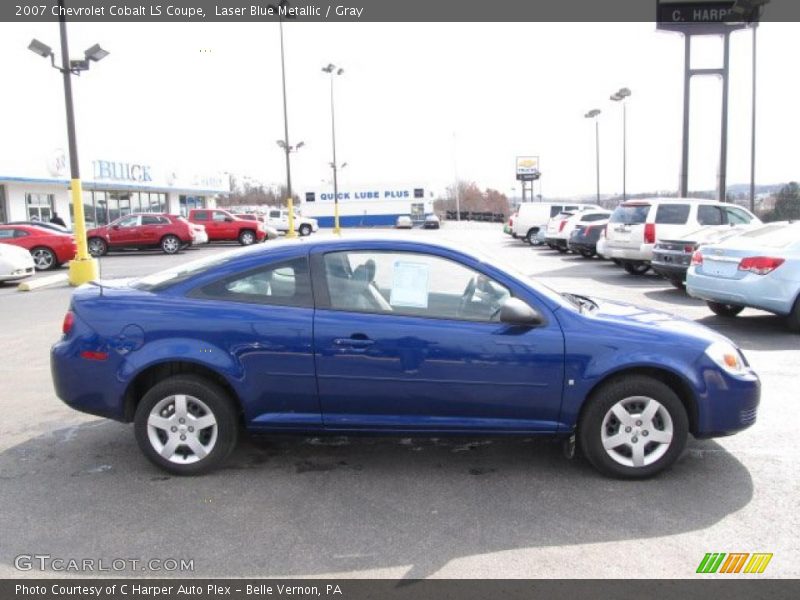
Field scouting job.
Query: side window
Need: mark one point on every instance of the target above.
(20, 233)
(554, 210)
(274, 214)
(6, 234)
(411, 284)
(286, 283)
(218, 217)
(148, 220)
(672, 214)
(737, 216)
(128, 222)
(709, 215)
(201, 215)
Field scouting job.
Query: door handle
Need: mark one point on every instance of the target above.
(354, 341)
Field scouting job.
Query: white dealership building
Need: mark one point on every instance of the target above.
(112, 187)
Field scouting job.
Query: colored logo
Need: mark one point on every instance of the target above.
(734, 562)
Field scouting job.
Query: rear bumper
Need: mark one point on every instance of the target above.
(643, 253)
(557, 242)
(670, 271)
(756, 291)
(578, 246)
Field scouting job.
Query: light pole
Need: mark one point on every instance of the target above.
(333, 71)
(83, 267)
(620, 96)
(287, 148)
(593, 114)
(290, 233)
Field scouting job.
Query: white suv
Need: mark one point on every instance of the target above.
(533, 216)
(561, 226)
(279, 219)
(635, 226)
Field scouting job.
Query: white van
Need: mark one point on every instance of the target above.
(533, 216)
(635, 226)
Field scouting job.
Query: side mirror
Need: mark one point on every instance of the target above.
(516, 312)
(229, 219)
(115, 227)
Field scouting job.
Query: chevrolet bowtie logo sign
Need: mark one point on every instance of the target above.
(734, 562)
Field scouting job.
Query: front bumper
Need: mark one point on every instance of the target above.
(729, 404)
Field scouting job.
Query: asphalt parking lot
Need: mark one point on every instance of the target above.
(75, 486)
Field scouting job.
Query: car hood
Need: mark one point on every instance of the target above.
(648, 320)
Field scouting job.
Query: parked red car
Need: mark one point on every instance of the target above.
(49, 248)
(222, 225)
(146, 230)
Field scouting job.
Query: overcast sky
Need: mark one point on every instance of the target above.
(416, 102)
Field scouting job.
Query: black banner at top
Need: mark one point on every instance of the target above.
(363, 10)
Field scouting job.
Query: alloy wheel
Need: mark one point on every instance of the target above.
(637, 431)
(43, 258)
(182, 429)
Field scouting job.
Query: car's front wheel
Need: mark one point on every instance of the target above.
(186, 425)
(170, 244)
(633, 427)
(725, 310)
(305, 229)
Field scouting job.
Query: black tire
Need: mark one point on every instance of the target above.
(617, 262)
(305, 229)
(636, 267)
(97, 247)
(561, 249)
(44, 258)
(530, 237)
(170, 244)
(593, 421)
(587, 254)
(725, 310)
(214, 398)
(677, 283)
(793, 319)
(247, 237)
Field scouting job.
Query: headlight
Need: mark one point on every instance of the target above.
(727, 357)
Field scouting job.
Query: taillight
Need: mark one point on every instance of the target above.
(587, 230)
(760, 265)
(688, 249)
(649, 233)
(69, 322)
(511, 222)
(561, 225)
(697, 258)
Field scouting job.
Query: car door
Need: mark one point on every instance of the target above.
(412, 341)
(124, 231)
(262, 317)
(152, 229)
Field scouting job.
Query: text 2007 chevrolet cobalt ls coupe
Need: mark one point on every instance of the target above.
(390, 336)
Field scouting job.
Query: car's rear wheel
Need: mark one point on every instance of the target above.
(677, 283)
(186, 425)
(793, 319)
(44, 258)
(97, 246)
(633, 427)
(170, 244)
(305, 229)
(530, 237)
(636, 267)
(725, 310)
(247, 237)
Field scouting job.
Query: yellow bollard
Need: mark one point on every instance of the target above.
(82, 268)
(290, 205)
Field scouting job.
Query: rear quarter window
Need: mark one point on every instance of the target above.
(710, 215)
(672, 214)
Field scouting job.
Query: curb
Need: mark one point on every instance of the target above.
(29, 286)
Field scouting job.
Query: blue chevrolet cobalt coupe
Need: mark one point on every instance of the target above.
(391, 337)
